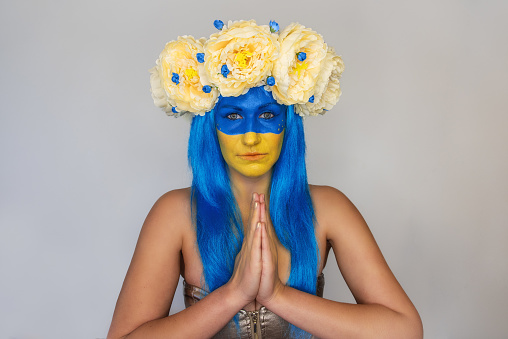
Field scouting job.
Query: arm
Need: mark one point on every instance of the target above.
(203, 320)
(383, 309)
(147, 293)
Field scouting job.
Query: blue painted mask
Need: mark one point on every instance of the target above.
(256, 111)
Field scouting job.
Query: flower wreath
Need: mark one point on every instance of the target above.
(296, 65)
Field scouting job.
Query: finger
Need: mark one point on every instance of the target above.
(254, 200)
(257, 214)
(254, 214)
(256, 244)
(266, 253)
(265, 217)
(262, 212)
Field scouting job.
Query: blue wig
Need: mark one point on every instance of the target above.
(216, 215)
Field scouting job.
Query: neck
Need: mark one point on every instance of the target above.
(243, 187)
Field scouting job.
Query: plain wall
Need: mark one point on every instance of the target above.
(418, 142)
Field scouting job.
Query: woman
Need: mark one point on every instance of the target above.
(251, 237)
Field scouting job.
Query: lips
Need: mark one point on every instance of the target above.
(252, 156)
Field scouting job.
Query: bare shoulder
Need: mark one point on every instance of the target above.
(325, 195)
(170, 213)
(181, 194)
(334, 210)
(150, 283)
(175, 201)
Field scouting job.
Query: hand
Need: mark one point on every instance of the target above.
(247, 272)
(270, 284)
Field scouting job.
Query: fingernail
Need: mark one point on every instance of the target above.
(258, 225)
(256, 204)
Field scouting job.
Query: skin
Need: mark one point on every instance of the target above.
(250, 154)
(250, 132)
(166, 249)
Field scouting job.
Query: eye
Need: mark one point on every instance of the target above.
(267, 115)
(234, 116)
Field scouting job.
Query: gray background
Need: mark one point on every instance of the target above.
(418, 142)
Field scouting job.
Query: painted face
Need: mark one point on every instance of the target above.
(250, 129)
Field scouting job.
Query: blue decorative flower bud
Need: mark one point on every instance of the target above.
(301, 56)
(274, 27)
(224, 70)
(174, 110)
(311, 99)
(218, 24)
(175, 78)
(207, 89)
(270, 81)
(200, 57)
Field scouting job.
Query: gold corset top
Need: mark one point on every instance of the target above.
(253, 324)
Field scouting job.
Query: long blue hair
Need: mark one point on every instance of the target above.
(216, 215)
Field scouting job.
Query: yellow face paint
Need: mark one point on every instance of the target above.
(251, 154)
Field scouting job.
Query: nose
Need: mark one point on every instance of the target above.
(251, 138)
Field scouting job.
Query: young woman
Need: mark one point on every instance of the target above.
(251, 236)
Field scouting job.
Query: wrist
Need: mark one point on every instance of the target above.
(276, 298)
(234, 296)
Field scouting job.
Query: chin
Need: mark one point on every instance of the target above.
(253, 172)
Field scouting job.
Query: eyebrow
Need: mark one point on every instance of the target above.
(231, 106)
(269, 104)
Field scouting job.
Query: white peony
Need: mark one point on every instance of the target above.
(295, 79)
(240, 57)
(178, 79)
(327, 90)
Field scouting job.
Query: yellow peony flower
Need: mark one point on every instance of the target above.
(296, 66)
(295, 78)
(327, 90)
(179, 82)
(240, 57)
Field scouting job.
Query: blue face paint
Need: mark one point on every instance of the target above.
(256, 111)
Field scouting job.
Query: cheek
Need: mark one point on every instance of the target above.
(274, 142)
(227, 145)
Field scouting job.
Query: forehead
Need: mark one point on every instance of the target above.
(253, 100)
